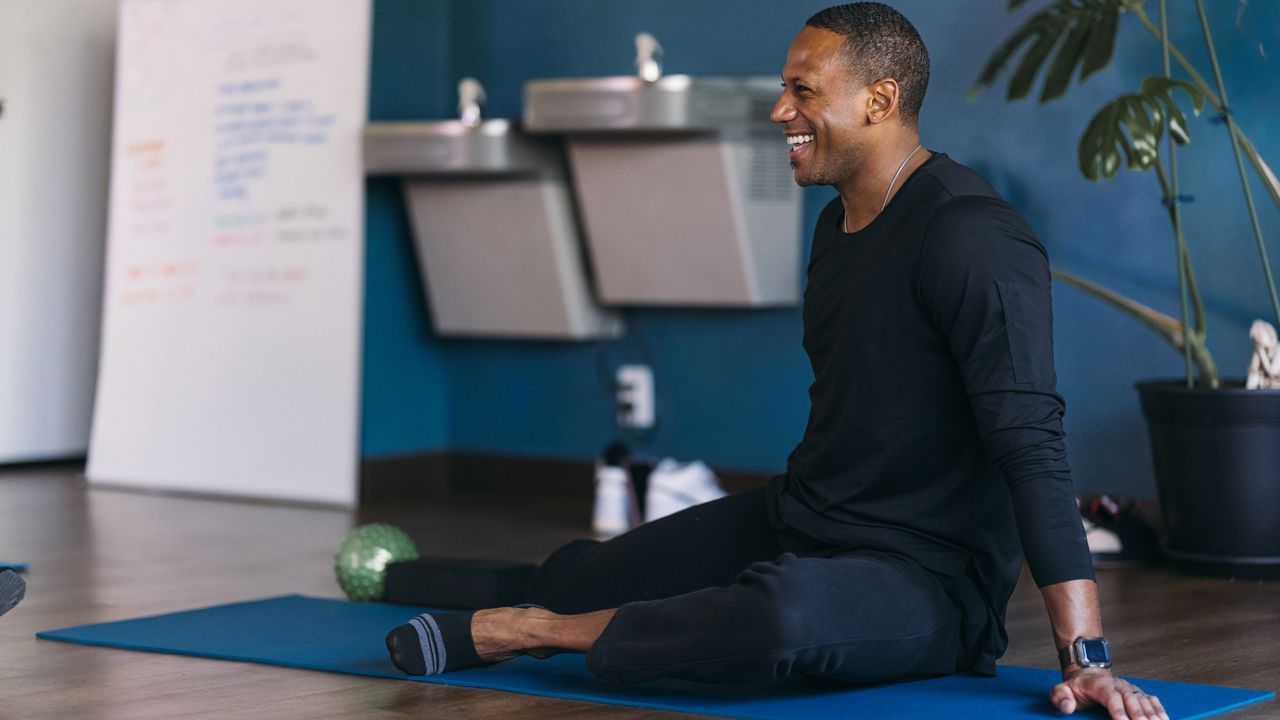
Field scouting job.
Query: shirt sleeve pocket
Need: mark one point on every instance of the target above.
(1028, 314)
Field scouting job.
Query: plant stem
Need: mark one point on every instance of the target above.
(1182, 60)
(1188, 291)
(1201, 329)
(1167, 327)
(1235, 149)
(1173, 199)
(1269, 179)
(1184, 259)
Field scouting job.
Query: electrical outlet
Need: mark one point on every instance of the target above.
(635, 397)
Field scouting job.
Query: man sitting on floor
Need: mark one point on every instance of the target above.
(933, 457)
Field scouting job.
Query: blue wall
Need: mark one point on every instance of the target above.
(406, 376)
(732, 384)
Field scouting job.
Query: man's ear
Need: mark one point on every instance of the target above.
(882, 102)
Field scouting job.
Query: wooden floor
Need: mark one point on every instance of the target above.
(101, 555)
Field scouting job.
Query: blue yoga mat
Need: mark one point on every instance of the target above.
(17, 566)
(321, 634)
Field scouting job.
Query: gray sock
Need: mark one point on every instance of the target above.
(434, 643)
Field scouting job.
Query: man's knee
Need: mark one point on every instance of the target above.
(558, 583)
(774, 600)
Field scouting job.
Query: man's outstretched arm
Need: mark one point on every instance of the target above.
(1073, 612)
(985, 279)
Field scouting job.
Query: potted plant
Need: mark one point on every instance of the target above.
(1215, 444)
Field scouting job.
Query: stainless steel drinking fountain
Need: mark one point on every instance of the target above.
(683, 184)
(494, 226)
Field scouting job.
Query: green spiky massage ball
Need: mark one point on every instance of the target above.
(361, 562)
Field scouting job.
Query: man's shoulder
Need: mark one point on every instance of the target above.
(951, 179)
(946, 193)
(960, 200)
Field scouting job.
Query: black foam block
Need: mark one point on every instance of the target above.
(457, 583)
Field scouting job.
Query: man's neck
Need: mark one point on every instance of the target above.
(866, 193)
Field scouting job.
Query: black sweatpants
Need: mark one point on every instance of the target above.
(717, 594)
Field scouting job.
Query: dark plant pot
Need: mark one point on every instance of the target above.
(1217, 463)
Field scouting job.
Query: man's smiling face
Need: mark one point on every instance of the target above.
(822, 109)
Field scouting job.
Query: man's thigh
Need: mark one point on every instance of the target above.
(866, 617)
(704, 546)
(856, 618)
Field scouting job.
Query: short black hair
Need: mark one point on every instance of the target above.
(880, 43)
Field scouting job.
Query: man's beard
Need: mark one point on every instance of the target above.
(827, 170)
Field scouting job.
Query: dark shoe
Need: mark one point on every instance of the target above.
(12, 589)
(1117, 534)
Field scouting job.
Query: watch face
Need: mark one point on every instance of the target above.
(1094, 651)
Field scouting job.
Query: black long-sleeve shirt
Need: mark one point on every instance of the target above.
(935, 429)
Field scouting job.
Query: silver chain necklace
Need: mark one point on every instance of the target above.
(888, 190)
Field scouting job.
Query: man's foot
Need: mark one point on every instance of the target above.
(431, 644)
(437, 643)
(12, 589)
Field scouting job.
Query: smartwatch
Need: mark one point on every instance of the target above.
(1086, 652)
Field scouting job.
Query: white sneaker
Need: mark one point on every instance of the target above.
(1100, 539)
(676, 486)
(612, 514)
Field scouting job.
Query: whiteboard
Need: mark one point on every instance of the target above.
(232, 303)
(55, 133)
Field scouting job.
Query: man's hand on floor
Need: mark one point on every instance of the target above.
(1084, 688)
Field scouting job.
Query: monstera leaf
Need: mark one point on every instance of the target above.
(1084, 33)
(1133, 125)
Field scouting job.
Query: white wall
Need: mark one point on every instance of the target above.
(56, 60)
